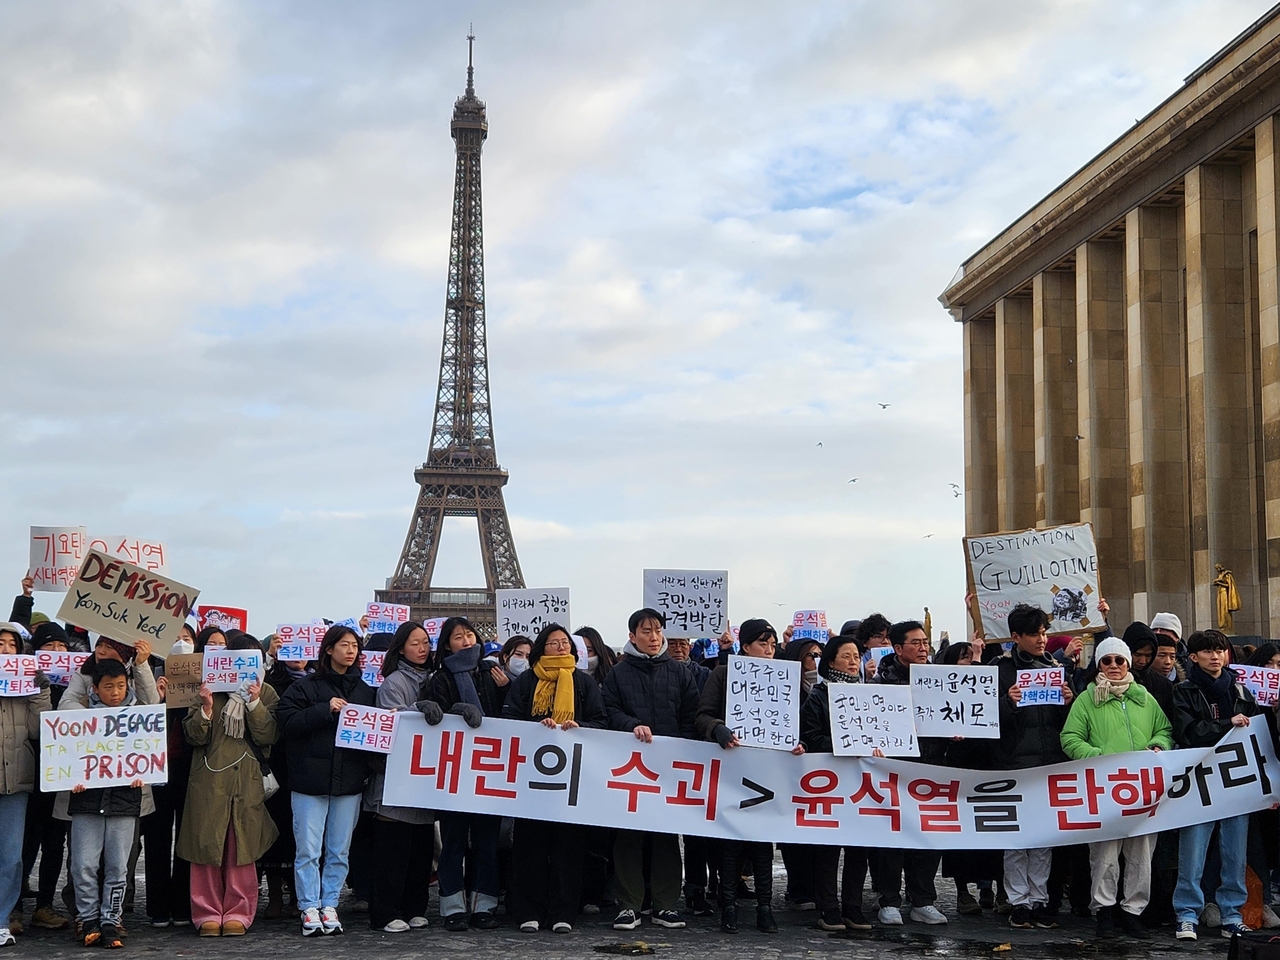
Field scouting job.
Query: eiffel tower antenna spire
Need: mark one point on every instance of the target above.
(471, 70)
(461, 476)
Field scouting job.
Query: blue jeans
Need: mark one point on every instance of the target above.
(13, 819)
(95, 840)
(455, 828)
(322, 825)
(1193, 848)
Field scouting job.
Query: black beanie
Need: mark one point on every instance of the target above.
(753, 630)
(48, 632)
(1138, 635)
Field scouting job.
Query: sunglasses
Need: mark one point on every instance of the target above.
(1111, 661)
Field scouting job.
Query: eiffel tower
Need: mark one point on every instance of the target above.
(461, 477)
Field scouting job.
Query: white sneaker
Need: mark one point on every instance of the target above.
(329, 919)
(1212, 916)
(562, 927)
(929, 914)
(6, 937)
(311, 922)
(529, 926)
(395, 926)
(1269, 919)
(890, 916)
(419, 923)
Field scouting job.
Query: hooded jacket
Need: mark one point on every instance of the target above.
(1195, 721)
(1120, 725)
(20, 739)
(317, 766)
(400, 691)
(1029, 736)
(654, 692)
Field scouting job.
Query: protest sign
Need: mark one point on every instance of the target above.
(107, 747)
(525, 612)
(809, 625)
(385, 617)
(509, 768)
(366, 728)
(371, 666)
(224, 618)
(351, 623)
(56, 555)
(762, 702)
(695, 602)
(872, 716)
(17, 675)
(298, 652)
(59, 665)
(1055, 569)
(225, 670)
(956, 701)
(184, 672)
(432, 626)
(149, 554)
(127, 603)
(1041, 687)
(1262, 682)
(299, 642)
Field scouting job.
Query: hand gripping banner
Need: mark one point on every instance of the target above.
(517, 769)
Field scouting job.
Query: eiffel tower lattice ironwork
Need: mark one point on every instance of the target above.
(461, 477)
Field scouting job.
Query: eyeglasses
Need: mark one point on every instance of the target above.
(1111, 661)
(915, 643)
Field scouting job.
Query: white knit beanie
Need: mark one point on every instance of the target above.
(1112, 647)
(1167, 621)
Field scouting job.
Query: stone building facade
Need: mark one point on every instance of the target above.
(1122, 351)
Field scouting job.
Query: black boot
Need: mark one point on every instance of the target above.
(1106, 924)
(1133, 926)
(764, 919)
(729, 919)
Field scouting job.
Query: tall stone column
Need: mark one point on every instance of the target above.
(1104, 416)
(1156, 386)
(981, 501)
(1015, 414)
(1267, 160)
(1219, 396)
(1053, 310)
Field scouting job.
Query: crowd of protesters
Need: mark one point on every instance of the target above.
(258, 788)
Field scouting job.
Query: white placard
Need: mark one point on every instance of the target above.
(385, 617)
(366, 728)
(1262, 682)
(809, 625)
(151, 555)
(872, 716)
(225, 670)
(762, 702)
(107, 747)
(17, 675)
(432, 625)
(56, 555)
(956, 701)
(1041, 687)
(371, 666)
(525, 612)
(59, 665)
(695, 602)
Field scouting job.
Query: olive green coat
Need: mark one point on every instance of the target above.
(232, 795)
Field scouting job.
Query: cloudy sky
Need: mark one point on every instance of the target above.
(715, 235)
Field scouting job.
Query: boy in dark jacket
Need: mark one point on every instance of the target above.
(649, 694)
(1029, 737)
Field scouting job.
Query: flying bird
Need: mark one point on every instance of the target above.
(819, 443)
(954, 486)
(1079, 436)
(926, 536)
(854, 480)
(884, 406)
(955, 493)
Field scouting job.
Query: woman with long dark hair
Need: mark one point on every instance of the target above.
(600, 656)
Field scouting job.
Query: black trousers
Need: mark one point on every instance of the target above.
(799, 859)
(168, 876)
(46, 835)
(402, 880)
(548, 871)
(760, 855)
(701, 862)
(920, 867)
(826, 864)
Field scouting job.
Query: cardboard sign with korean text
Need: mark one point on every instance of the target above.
(108, 747)
(809, 625)
(762, 702)
(522, 613)
(872, 716)
(1055, 569)
(184, 672)
(385, 617)
(56, 555)
(224, 618)
(695, 602)
(127, 603)
(1041, 687)
(956, 701)
(366, 728)
(223, 671)
(59, 665)
(149, 554)
(17, 675)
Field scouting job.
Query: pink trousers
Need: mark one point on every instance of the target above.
(228, 892)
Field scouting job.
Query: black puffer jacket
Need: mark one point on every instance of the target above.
(656, 692)
(1195, 720)
(317, 766)
(588, 706)
(107, 802)
(815, 721)
(898, 674)
(1029, 736)
(1159, 687)
(443, 689)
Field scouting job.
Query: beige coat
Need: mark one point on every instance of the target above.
(226, 784)
(20, 740)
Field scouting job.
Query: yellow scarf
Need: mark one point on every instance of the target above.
(555, 680)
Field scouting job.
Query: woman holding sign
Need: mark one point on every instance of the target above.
(548, 854)
(225, 824)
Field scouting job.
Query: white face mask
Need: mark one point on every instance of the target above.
(517, 666)
(182, 647)
(592, 663)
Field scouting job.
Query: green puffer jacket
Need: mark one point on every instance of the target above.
(1132, 722)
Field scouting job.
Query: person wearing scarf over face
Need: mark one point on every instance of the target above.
(1117, 714)
(548, 854)
(466, 686)
(225, 824)
(403, 837)
(326, 781)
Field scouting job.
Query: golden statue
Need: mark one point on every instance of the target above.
(928, 626)
(1226, 598)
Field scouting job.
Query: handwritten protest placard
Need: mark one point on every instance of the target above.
(371, 666)
(59, 665)
(1055, 569)
(17, 675)
(695, 602)
(366, 728)
(762, 703)
(127, 603)
(867, 717)
(184, 672)
(225, 670)
(56, 555)
(1041, 687)
(109, 747)
(525, 612)
(1262, 682)
(809, 625)
(386, 617)
(956, 701)
(224, 618)
(148, 554)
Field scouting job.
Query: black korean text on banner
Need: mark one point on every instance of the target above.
(523, 612)
(514, 769)
(956, 701)
(127, 603)
(866, 717)
(103, 748)
(1055, 569)
(695, 602)
(762, 702)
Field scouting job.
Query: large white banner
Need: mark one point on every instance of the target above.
(514, 769)
(1056, 569)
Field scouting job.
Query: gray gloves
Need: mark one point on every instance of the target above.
(723, 735)
(468, 712)
(430, 710)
